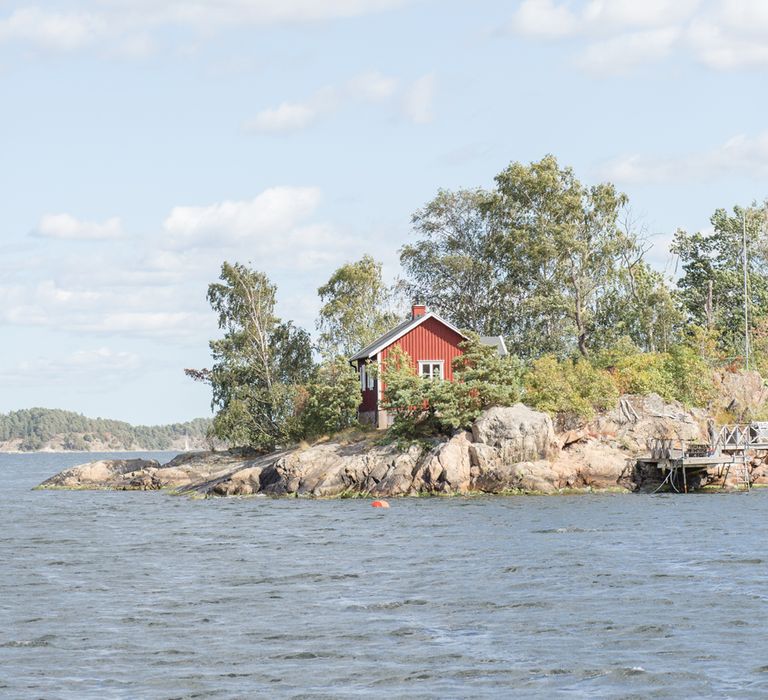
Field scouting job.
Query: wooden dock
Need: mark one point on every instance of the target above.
(682, 463)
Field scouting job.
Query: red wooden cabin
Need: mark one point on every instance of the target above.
(432, 344)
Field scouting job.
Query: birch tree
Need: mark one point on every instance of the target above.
(711, 286)
(358, 306)
(259, 365)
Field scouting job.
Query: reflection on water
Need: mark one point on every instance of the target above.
(144, 595)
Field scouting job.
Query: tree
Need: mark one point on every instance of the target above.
(639, 306)
(482, 378)
(573, 244)
(406, 396)
(456, 264)
(259, 365)
(333, 397)
(531, 260)
(421, 406)
(711, 288)
(357, 308)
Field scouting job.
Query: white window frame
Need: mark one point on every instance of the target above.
(431, 363)
(362, 376)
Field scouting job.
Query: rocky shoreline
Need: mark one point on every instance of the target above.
(509, 450)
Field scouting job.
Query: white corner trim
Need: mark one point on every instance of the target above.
(378, 381)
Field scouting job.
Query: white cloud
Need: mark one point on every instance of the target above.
(172, 324)
(623, 52)
(604, 15)
(103, 357)
(614, 36)
(135, 46)
(125, 25)
(66, 226)
(373, 86)
(102, 364)
(733, 35)
(545, 18)
(419, 99)
(288, 116)
(558, 18)
(204, 13)
(293, 116)
(52, 30)
(106, 310)
(739, 155)
(270, 214)
(749, 17)
(153, 287)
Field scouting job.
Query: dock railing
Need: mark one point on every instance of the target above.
(664, 449)
(738, 438)
(729, 442)
(731, 446)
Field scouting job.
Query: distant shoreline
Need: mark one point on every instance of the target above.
(87, 452)
(55, 430)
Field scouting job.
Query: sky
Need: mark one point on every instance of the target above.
(144, 143)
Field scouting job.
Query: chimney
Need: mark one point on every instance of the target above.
(418, 310)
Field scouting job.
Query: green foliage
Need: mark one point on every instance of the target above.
(36, 427)
(689, 375)
(759, 346)
(407, 397)
(569, 387)
(681, 374)
(425, 407)
(567, 235)
(552, 264)
(357, 308)
(638, 306)
(635, 371)
(332, 399)
(542, 244)
(482, 379)
(716, 257)
(457, 263)
(260, 365)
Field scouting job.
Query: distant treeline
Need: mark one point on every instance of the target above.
(39, 427)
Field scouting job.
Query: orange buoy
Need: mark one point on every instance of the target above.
(380, 504)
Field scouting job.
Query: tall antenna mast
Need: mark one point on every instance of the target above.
(746, 298)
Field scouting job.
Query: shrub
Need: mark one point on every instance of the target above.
(482, 378)
(423, 407)
(569, 387)
(689, 375)
(635, 371)
(332, 399)
(407, 397)
(682, 374)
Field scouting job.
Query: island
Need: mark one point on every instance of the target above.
(509, 450)
(55, 430)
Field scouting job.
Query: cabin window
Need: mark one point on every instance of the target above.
(431, 369)
(366, 379)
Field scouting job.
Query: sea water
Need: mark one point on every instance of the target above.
(147, 595)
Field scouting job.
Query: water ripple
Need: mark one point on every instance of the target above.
(126, 595)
